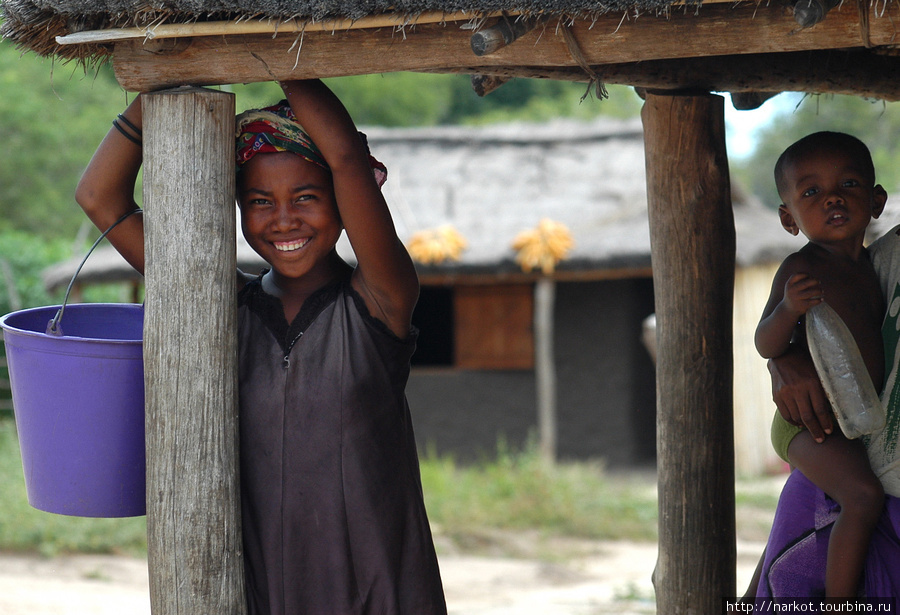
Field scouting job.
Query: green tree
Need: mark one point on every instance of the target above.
(415, 99)
(420, 99)
(875, 122)
(22, 259)
(52, 116)
(541, 100)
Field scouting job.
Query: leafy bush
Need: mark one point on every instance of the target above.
(22, 258)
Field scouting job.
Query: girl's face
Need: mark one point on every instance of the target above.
(288, 213)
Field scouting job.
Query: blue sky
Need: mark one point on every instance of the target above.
(741, 126)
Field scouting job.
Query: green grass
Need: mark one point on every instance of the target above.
(515, 494)
(517, 491)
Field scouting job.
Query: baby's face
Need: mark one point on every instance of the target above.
(828, 197)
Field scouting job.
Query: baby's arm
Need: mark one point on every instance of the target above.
(385, 275)
(106, 189)
(793, 294)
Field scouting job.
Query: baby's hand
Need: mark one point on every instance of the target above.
(802, 292)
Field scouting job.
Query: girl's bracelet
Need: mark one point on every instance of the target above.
(128, 123)
(137, 141)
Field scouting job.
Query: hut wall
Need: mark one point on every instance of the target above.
(606, 391)
(753, 405)
(606, 387)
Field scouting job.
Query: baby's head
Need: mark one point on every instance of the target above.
(826, 181)
(824, 142)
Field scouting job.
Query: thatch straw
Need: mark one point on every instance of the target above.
(35, 24)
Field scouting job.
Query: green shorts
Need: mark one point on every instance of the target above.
(782, 434)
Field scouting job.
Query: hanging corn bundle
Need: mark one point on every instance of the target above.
(434, 246)
(543, 247)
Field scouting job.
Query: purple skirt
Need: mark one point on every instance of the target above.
(796, 553)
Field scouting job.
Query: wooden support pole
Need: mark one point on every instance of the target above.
(693, 252)
(545, 366)
(190, 354)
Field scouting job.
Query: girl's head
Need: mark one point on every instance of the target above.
(270, 130)
(286, 193)
(276, 129)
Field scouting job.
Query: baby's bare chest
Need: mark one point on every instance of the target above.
(854, 292)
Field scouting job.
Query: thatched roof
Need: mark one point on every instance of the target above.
(105, 265)
(750, 48)
(492, 182)
(34, 24)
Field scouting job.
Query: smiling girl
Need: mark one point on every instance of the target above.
(333, 516)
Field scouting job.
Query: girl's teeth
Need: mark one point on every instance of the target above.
(290, 246)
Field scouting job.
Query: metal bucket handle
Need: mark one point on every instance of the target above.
(53, 327)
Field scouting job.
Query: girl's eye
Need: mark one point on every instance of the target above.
(810, 192)
(850, 183)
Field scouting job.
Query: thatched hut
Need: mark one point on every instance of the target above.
(676, 53)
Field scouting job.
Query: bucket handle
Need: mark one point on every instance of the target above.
(53, 327)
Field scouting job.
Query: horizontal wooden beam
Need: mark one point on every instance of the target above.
(854, 72)
(715, 30)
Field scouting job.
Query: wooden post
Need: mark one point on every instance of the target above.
(693, 252)
(190, 354)
(545, 366)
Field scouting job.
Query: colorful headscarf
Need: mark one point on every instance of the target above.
(276, 129)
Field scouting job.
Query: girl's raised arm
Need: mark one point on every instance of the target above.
(385, 275)
(106, 189)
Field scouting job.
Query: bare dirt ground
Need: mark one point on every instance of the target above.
(506, 573)
(604, 577)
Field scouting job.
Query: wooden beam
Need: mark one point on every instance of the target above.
(702, 31)
(857, 72)
(190, 354)
(505, 32)
(861, 72)
(692, 241)
(747, 101)
(485, 84)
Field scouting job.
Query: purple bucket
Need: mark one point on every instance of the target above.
(78, 400)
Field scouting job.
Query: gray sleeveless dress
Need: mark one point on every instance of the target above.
(333, 517)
